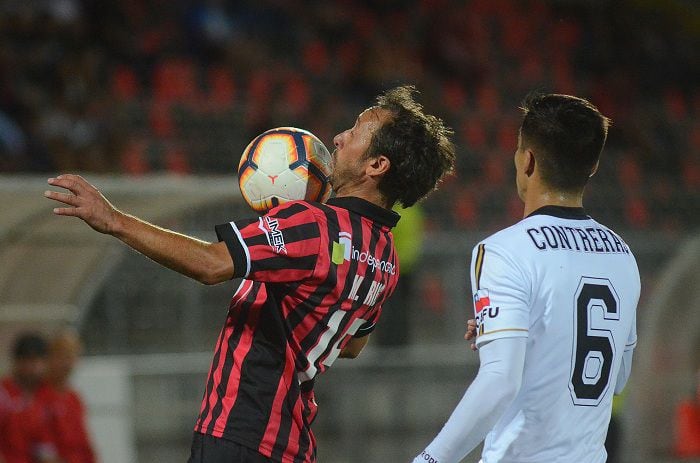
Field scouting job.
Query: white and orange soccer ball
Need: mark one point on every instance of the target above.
(284, 164)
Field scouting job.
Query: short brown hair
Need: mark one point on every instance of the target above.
(417, 144)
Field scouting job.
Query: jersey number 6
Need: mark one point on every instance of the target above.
(597, 307)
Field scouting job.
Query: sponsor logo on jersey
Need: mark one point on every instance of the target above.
(341, 248)
(343, 251)
(481, 300)
(365, 256)
(484, 310)
(275, 238)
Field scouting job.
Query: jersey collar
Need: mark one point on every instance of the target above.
(563, 212)
(367, 209)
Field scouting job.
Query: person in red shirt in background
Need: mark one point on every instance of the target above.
(24, 426)
(66, 410)
(687, 425)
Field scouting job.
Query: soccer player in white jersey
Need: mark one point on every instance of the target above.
(555, 297)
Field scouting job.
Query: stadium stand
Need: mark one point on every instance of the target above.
(136, 87)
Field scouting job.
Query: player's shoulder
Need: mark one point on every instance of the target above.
(513, 244)
(612, 232)
(626, 247)
(309, 207)
(505, 246)
(297, 208)
(299, 213)
(5, 387)
(8, 384)
(509, 240)
(9, 392)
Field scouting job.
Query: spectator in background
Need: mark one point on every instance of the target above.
(687, 432)
(66, 410)
(24, 425)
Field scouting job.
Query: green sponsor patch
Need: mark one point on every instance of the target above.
(338, 256)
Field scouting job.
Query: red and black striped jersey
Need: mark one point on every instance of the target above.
(315, 275)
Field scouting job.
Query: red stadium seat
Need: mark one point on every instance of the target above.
(454, 96)
(297, 95)
(488, 100)
(176, 161)
(315, 57)
(433, 294)
(348, 56)
(495, 170)
(474, 133)
(629, 172)
(222, 88)
(133, 158)
(124, 83)
(464, 210)
(507, 136)
(637, 212)
(161, 120)
(175, 81)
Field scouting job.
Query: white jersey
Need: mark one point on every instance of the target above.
(571, 286)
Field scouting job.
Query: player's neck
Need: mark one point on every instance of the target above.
(540, 197)
(361, 191)
(27, 387)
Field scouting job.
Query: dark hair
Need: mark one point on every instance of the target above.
(417, 144)
(568, 134)
(29, 345)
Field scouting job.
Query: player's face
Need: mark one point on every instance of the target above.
(349, 161)
(65, 353)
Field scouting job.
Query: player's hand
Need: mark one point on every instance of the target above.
(85, 202)
(471, 333)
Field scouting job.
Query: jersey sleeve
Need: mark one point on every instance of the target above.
(281, 246)
(632, 338)
(501, 295)
(367, 327)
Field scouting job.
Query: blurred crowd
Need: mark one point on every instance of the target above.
(42, 419)
(181, 86)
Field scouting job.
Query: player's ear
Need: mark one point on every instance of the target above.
(530, 162)
(378, 165)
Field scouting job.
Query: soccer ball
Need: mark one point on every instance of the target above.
(284, 164)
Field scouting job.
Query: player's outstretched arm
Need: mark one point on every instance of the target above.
(209, 263)
(493, 389)
(353, 348)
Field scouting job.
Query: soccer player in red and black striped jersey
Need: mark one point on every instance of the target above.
(315, 277)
